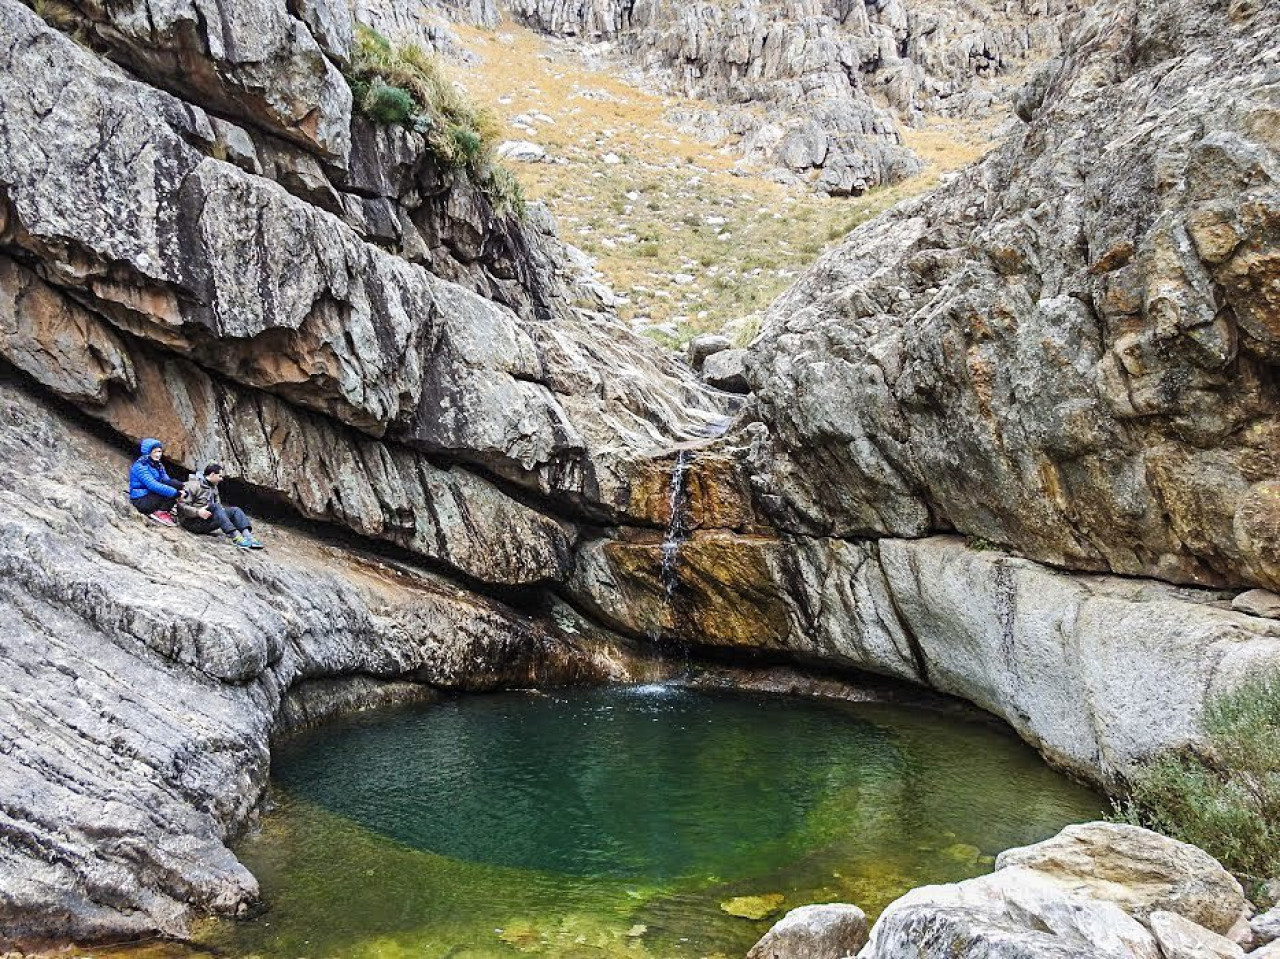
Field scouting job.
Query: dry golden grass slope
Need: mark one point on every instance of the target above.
(690, 244)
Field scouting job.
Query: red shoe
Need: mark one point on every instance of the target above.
(162, 517)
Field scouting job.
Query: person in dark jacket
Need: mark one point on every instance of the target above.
(201, 510)
(152, 491)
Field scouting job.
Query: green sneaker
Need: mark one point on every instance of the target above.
(244, 542)
(254, 542)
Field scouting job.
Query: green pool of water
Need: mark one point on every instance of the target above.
(624, 822)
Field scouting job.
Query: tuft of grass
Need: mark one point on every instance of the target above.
(1226, 798)
(980, 544)
(406, 86)
(387, 104)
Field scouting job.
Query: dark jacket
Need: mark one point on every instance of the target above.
(201, 494)
(146, 476)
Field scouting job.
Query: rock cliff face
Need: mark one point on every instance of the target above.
(144, 671)
(1070, 349)
(819, 87)
(1067, 353)
(360, 336)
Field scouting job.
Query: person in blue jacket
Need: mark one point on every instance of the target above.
(151, 490)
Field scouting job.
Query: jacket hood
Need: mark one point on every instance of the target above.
(148, 445)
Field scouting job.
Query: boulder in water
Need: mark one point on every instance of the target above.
(826, 931)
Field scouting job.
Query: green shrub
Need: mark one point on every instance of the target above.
(1226, 798)
(387, 104)
(406, 86)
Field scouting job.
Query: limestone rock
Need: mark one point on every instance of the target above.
(263, 60)
(1141, 871)
(1258, 602)
(1181, 938)
(829, 931)
(1001, 632)
(522, 151)
(1265, 927)
(258, 286)
(704, 346)
(327, 471)
(1012, 913)
(1078, 365)
(726, 371)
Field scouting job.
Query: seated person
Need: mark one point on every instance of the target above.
(152, 491)
(201, 510)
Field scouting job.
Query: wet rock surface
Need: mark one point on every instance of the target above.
(829, 931)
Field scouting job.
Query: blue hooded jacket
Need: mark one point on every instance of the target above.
(148, 477)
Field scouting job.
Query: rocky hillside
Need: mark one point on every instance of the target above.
(820, 88)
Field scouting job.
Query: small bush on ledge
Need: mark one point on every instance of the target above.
(405, 86)
(1226, 800)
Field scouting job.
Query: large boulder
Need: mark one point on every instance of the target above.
(1094, 891)
(828, 931)
(1139, 870)
(1070, 349)
(1007, 915)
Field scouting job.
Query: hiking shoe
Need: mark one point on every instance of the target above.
(162, 517)
(255, 542)
(242, 541)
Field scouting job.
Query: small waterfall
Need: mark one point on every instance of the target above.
(671, 646)
(677, 526)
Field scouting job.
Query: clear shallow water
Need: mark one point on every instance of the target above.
(621, 821)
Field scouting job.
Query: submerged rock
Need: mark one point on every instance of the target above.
(726, 370)
(829, 931)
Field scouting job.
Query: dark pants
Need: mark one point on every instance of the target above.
(229, 519)
(148, 504)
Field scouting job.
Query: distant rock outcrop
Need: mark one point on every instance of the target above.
(819, 86)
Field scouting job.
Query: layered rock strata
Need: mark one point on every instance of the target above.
(816, 87)
(144, 671)
(1097, 672)
(116, 212)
